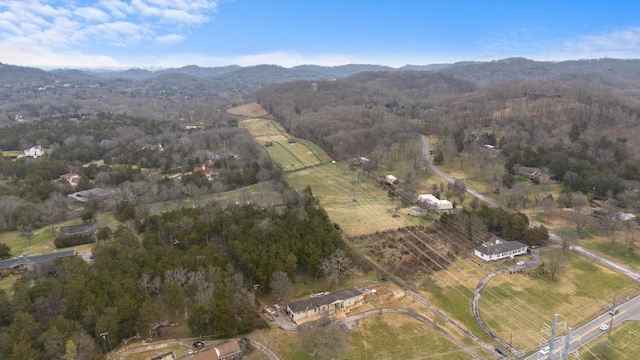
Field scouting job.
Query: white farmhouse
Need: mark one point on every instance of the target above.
(437, 204)
(34, 152)
(497, 249)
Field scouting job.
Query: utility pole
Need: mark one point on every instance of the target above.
(611, 313)
(565, 354)
(553, 337)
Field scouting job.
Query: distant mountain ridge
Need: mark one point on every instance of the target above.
(615, 73)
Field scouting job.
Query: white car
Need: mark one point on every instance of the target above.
(520, 263)
(604, 327)
(545, 350)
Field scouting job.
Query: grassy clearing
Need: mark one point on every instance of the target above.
(12, 153)
(618, 252)
(335, 186)
(250, 110)
(391, 336)
(290, 156)
(515, 306)
(7, 284)
(622, 345)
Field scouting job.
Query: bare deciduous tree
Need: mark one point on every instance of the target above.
(322, 342)
(280, 284)
(335, 266)
(556, 263)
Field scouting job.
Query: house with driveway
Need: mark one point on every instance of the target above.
(324, 304)
(497, 248)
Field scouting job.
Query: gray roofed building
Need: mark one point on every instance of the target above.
(97, 193)
(498, 248)
(327, 303)
(25, 262)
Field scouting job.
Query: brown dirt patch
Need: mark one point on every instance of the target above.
(249, 110)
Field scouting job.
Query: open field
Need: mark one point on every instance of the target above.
(249, 110)
(289, 155)
(392, 336)
(515, 306)
(622, 345)
(336, 187)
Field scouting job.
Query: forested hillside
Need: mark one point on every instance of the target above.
(201, 262)
(582, 134)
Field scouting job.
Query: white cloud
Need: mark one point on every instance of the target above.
(92, 14)
(619, 40)
(169, 39)
(59, 27)
(36, 56)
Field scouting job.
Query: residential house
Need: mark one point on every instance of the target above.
(23, 263)
(34, 152)
(324, 304)
(388, 180)
(207, 171)
(428, 200)
(478, 134)
(95, 193)
(529, 173)
(498, 248)
(71, 178)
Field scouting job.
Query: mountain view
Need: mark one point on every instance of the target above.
(319, 180)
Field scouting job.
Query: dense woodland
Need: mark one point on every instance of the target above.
(194, 265)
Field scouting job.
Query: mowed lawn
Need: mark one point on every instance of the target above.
(289, 155)
(351, 200)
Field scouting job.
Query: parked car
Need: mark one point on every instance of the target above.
(604, 327)
(545, 350)
(520, 263)
(501, 352)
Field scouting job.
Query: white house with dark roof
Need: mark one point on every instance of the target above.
(498, 248)
(324, 304)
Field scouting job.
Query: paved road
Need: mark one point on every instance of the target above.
(629, 310)
(586, 331)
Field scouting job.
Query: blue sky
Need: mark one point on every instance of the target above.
(173, 33)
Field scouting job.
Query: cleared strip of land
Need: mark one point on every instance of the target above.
(289, 152)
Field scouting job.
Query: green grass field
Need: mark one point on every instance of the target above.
(336, 187)
(623, 344)
(12, 153)
(391, 336)
(515, 306)
(290, 156)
